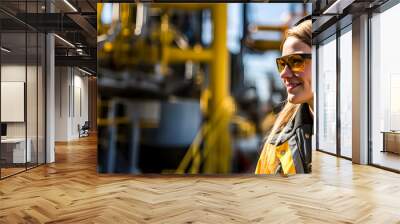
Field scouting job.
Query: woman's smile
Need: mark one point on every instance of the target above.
(292, 84)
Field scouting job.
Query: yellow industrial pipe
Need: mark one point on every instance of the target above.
(256, 28)
(217, 153)
(165, 40)
(174, 55)
(99, 24)
(183, 6)
(264, 45)
(126, 18)
(219, 87)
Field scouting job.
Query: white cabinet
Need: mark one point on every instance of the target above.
(19, 155)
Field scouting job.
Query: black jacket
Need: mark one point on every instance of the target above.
(296, 139)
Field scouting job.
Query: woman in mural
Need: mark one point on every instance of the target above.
(287, 149)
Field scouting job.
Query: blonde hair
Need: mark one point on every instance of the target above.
(302, 32)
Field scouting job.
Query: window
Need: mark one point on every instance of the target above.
(346, 92)
(385, 89)
(327, 95)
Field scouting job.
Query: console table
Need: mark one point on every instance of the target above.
(13, 150)
(391, 141)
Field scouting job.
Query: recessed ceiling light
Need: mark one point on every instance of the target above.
(337, 7)
(84, 71)
(70, 5)
(65, 41)
(5, 50)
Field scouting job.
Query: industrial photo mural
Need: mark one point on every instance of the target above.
(213, 88)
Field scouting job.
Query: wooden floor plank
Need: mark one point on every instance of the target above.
(70, 191)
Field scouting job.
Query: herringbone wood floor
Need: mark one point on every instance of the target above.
(70, 191)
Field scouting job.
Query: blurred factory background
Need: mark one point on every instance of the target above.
(188, 88)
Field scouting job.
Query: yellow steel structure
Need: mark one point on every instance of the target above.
(214, 135)
(171, 54)
(123, 47)
(282, 28)
(220, 93)
(99, 24)
(264, 45)
(174, 55)
(216, 155)
(183, 6)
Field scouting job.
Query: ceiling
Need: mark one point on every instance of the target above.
(21, 22)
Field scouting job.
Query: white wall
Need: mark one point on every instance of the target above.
(12, 73)
(71, 94)
(33, 126)
(62, 81)
(80, 110)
